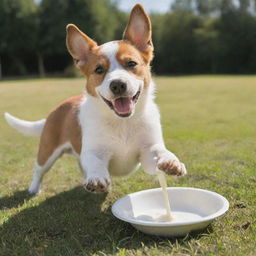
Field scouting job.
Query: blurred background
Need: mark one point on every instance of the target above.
(190, 36)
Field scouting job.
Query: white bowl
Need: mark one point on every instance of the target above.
(199, 207)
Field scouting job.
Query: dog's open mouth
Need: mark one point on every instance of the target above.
(123, 106)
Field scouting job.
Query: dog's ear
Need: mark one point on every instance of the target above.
(138, 30)
(79, 45)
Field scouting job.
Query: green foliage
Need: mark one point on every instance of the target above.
(95, 17)
(196, 36)
(208, 46)
(237, 37)
(177, 49)
(17, 30)
(206, 7)
(17, 19)
(190, 43)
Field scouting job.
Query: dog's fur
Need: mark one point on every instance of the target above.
(109, 135)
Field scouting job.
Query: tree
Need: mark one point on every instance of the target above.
(208, 7)
(177, 51)
(244, 5)
(97, 18)
(17, 28)
(237, 38)
(208, 47)
(227, 6)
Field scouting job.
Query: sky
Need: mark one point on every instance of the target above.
(159, 6)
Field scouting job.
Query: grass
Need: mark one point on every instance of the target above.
(208, 121)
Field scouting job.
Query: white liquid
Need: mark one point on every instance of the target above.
(165, 214)
(159, 215)
(168, 215)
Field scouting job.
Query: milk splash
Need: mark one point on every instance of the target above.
(165, 214)
(162, 180)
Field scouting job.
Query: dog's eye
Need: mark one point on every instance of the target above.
(131, 64)
(99, 70)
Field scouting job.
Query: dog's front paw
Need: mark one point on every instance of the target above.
(97, 184)
(171, 166)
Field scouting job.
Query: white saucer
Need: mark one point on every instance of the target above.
(193, 209)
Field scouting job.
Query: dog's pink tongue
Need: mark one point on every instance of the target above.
(123, 105)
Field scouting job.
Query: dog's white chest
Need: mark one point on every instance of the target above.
(118, 141)
(123, 162)
(125, 151)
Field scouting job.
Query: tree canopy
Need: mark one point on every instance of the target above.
(195, 36)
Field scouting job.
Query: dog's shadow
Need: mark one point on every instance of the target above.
(70, 223)
(18, 198)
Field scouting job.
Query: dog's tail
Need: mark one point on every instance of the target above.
(25, 127)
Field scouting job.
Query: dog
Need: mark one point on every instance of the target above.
(114, 126)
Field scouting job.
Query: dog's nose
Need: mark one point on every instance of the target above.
(118, 87)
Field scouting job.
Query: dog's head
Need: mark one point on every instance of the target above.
(117, 72)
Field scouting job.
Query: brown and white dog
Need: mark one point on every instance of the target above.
(115, 125)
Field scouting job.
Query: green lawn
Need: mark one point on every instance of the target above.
(208, 121)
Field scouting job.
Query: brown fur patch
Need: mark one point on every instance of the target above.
(85, 53)
(128, 52)
(61, 126)
(93, 80)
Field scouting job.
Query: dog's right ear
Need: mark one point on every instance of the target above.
(79, 45)
(138, 30)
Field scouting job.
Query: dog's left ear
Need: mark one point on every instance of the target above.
(138, 30)
(79, 44)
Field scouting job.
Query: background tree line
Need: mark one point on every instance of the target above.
(195, 36)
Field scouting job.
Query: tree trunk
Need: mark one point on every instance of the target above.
(41, 68)
(1, 73)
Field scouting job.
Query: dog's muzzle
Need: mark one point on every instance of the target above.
(123, 106)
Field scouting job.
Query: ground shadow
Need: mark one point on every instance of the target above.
(18, 198)
(70, 223)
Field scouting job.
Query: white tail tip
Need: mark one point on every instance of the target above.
(25, 127)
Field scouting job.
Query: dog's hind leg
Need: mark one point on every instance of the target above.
(40, 170)
(61, 134)
(38, 174)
